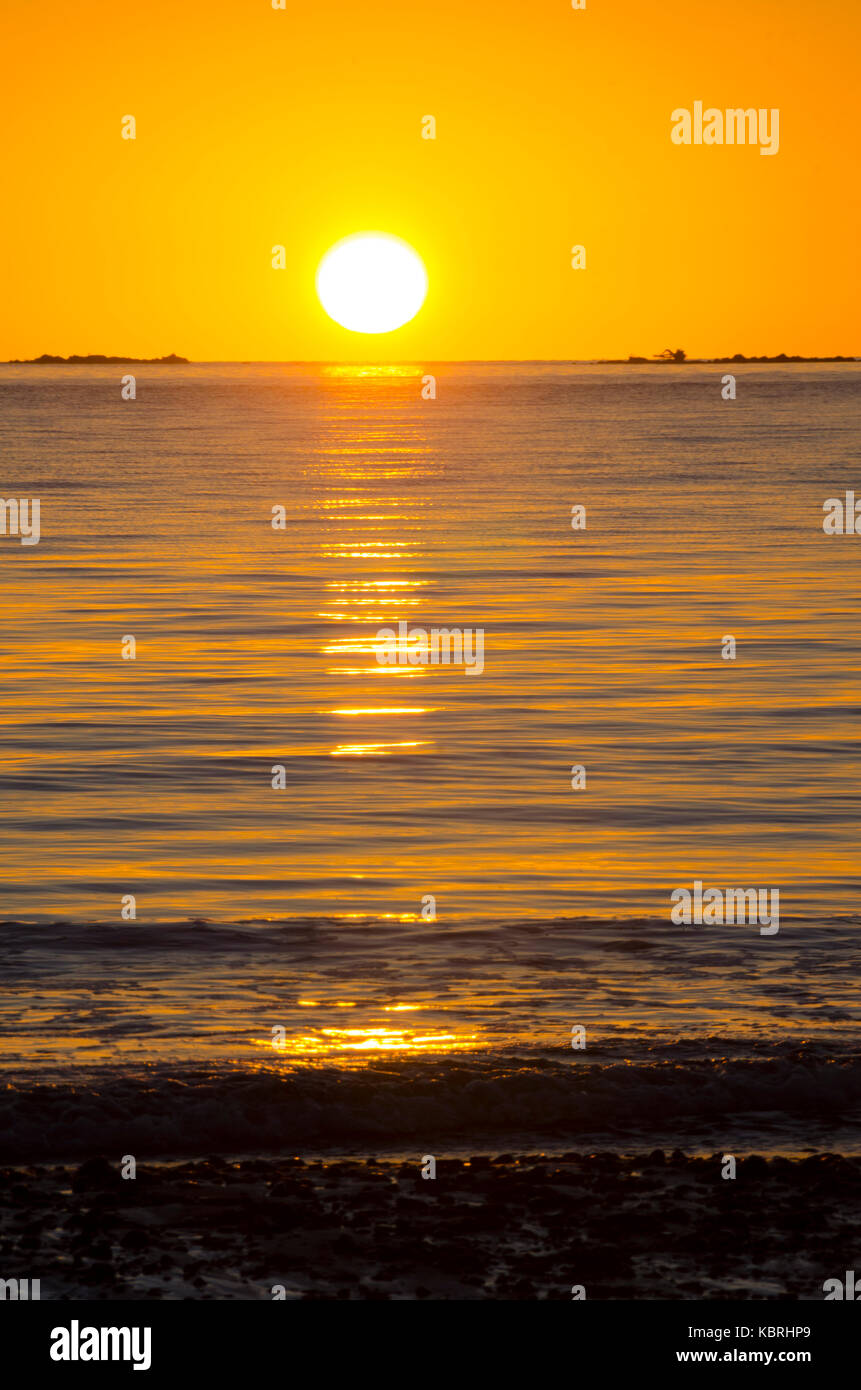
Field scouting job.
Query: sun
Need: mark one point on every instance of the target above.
(371, 282)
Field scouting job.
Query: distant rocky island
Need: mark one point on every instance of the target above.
(94, 359)
(678, 357)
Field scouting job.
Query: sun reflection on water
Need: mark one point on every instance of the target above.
(380, 1039)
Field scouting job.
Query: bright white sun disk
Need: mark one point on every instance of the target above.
(371, 282)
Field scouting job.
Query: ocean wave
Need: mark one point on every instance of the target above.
(164, 1112)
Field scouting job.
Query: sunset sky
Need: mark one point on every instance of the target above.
(258, 127)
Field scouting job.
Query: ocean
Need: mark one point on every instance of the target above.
(283, 985)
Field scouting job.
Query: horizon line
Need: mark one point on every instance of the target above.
(117, 359)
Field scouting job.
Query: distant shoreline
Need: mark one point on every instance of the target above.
(738, 359)
(95, 359)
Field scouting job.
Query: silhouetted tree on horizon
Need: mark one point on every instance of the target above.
(668, 355)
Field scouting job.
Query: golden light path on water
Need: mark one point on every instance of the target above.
(391, 598)
(334, 1041)
(393, 534)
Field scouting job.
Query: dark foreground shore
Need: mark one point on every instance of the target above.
(656, 1226)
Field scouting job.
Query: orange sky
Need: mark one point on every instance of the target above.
(258, 126)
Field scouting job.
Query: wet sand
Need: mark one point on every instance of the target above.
(652, 1226)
